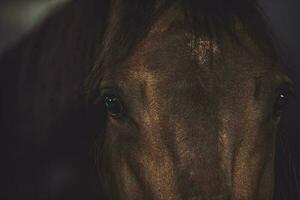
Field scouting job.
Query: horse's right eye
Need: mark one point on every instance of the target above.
(114, 106)
(281, 101)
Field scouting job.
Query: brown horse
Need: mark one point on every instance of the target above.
(189, 92)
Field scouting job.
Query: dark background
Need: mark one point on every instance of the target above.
(67, 170)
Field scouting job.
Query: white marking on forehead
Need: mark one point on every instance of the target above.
(201, 48)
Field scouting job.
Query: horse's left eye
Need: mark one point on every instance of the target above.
(281, 102)
(114, 106)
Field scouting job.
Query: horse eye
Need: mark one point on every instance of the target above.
(114, 106)
(281, 102)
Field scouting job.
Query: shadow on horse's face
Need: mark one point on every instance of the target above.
(191, 117)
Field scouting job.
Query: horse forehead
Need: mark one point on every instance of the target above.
(168, 54)
(187, 58)
(171, 51)
(171, 45)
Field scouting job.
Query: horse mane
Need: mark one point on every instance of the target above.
(43, 77)
(51, 62)
(42, 106)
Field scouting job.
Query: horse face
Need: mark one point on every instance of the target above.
(191, 117)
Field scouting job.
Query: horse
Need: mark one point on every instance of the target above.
(183, 97)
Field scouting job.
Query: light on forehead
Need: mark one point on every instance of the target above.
(202, 48)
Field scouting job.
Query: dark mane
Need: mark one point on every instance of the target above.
(41, 97)
(45, 77)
